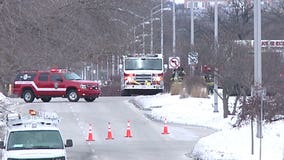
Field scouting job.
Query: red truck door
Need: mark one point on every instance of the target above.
(57, 85)
(49, 84)
(42, 84)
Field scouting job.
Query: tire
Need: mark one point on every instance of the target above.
(89, 99)
(28, 96)
(72, 96)
(46, 99)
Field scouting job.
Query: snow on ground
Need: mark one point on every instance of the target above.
(4, 100)
(6, 106)
(227, 143)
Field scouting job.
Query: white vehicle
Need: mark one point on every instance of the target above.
(142, 74)
(34, 137)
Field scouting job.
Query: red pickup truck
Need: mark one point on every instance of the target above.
(54, 83)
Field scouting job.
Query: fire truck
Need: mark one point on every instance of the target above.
(142, 74)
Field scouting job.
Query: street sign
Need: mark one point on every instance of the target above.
(192, 58)
(174, 62)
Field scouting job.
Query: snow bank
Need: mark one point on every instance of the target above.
(227, 143)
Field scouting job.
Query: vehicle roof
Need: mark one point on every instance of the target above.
(148, 56)
(34, 121)
(28, 127)
(53, 70)
(33, 71)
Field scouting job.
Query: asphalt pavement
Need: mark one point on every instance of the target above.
(147, 141)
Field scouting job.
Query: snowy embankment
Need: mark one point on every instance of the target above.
(6, 106)
(227, 142)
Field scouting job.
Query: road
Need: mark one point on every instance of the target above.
(146, 143)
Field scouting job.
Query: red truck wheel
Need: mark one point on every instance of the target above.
(90, 99)
(72, 96)
(46, 99)
(28, 96)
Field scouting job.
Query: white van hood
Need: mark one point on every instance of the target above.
(36, 153)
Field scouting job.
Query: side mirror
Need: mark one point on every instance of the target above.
(69, 143)
(2, 145)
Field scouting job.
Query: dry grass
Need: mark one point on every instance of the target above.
(176, 88)
(193, 86)
(199, 91)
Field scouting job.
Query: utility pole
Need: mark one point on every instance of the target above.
(153, 12)
(257, 52)
(174, 28)
(191, 25)
(216, 55)
(112, 64)
(192, 51)
(107, 67)
(162, 27)
(134, 40)
(97, 71)
(143, 35)
(152, 32)
(257, 68)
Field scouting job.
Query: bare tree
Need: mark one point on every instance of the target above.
(272, 65)
(273, 21)
(233, 61)
(39, 34)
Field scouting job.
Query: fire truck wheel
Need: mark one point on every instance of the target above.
(89, 99)
(73, 95)
(46, 99)
(125, 93)
(28, 96)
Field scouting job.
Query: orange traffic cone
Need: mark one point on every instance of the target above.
(109, 133)
(90, 134)
(165, 127)
(128, 131)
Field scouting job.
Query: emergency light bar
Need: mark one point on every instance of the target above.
(13, 116)
(145, 55)
(40, 118)
(29, 71)
(58, 70)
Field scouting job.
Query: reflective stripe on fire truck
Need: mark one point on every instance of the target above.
(39, 89)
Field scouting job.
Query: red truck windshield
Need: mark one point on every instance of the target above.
(72, 76)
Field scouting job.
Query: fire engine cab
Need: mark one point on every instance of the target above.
(142, 74)
(54, 83)
(33, 136)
